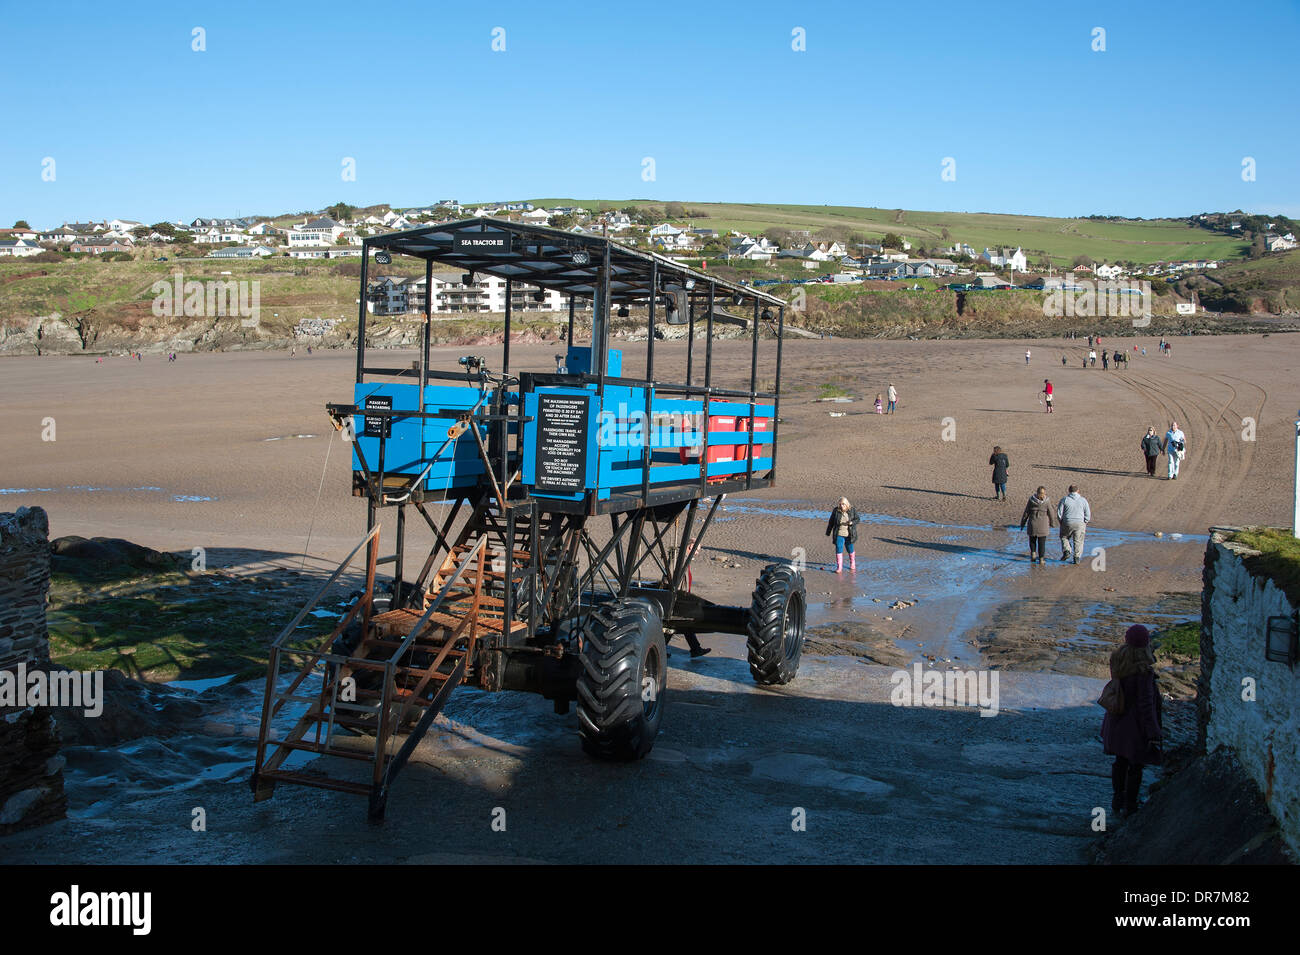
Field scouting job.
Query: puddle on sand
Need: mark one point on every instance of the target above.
(101, 780)
(180, 498)
(198, 686)
(955, 572)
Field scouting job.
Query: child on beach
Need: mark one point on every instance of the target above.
(880, 405)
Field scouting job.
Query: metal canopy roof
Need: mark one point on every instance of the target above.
(545, 257)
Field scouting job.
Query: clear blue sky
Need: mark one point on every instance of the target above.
(140, 126)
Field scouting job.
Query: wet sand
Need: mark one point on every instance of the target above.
(229, 452)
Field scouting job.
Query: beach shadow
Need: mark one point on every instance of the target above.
(926, 490)
(1061, 467)
(1009, 411)
(966, 550)
(734, 552)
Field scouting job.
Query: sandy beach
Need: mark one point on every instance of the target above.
(232, 450)
(234, 453)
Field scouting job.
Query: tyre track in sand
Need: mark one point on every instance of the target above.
(1220, 459)
(1194, 502)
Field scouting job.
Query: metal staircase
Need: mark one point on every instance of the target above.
(380, 676)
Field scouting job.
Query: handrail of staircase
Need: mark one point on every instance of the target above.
(436, 604)
(311, 605)
(272, 702)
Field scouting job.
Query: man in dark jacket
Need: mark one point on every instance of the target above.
(1133, 736)
(1151, 450)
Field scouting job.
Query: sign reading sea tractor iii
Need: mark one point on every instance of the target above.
(565, 509)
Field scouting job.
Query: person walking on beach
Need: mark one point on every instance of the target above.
(1075, 515)
(692, 642)
(842, 527)
(1134, 734)
(1026, 356)
(880, 405)
(1047, 395)
(998, 461)
(1105, 361)
(1151, 450)
(1174, 445)
(1040, 517)
(893, 398)
(1092, 357)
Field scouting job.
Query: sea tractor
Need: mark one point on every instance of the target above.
(565, 506)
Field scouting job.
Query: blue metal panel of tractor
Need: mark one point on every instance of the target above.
(559, 446)
(403, 453)
(757, 439)
(621, 437)
(458, 464)
(578, 361)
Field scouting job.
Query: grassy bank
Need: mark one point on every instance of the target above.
(1278, 558)
(166, 624)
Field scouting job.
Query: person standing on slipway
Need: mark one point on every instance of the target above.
(1133, 735)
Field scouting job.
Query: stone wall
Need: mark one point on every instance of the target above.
(1263, 732)
(31, 769)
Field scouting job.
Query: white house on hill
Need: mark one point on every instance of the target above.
(1279, 243)
(1006, 259)
(322, 231)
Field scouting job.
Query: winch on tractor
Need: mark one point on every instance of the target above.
(565, 507)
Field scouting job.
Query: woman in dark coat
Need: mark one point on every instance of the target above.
(842, 527)
(998, 461)
(1040, 516)
(1151, 450)
(1134, 736)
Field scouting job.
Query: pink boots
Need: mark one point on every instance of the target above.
(853, 561)
(839, 563)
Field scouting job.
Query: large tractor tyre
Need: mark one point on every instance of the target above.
(776, 625)
(623, 679)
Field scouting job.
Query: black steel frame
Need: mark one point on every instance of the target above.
(559, 530)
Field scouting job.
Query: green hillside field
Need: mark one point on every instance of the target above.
(1139, 241)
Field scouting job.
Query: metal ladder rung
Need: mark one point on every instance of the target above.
(321, 749)
(320, 782)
